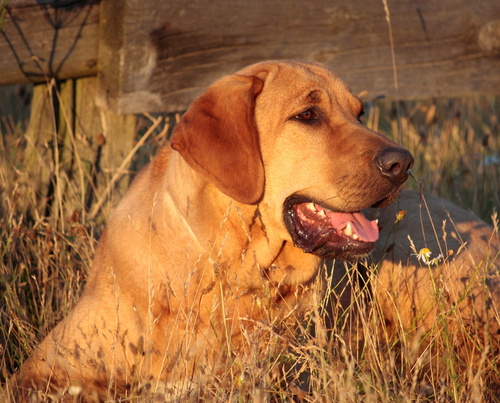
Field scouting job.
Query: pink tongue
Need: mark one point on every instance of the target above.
(366, 230)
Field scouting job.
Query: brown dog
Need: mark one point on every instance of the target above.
(436, 276)
(267, 164)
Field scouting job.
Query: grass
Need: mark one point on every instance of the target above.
(45, 260)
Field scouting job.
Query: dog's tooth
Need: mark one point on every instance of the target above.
(310, 206)
(355, 237)
(321, 213)
(348, 229)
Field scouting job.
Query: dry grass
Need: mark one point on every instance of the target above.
(45, 260)
(455, 143)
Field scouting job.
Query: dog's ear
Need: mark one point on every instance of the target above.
(218, 138)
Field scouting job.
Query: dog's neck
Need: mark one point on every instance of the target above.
(238, 227)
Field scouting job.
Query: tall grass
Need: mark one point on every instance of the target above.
(455, 143)
(43, 266)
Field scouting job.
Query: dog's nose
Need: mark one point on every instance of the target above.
(395, 163)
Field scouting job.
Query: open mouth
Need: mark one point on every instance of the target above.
(329, 234)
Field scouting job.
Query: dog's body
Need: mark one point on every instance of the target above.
(463, 281)
(209, 241)
(452, 293)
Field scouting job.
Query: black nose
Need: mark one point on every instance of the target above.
(395, 163)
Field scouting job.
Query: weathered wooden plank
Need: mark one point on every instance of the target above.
(47, 38)
(73, 150)
(157, 56)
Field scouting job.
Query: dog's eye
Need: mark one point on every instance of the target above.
(307, 116)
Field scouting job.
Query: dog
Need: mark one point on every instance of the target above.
(264, 176)
(434, 281)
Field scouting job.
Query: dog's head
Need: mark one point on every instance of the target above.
(287, 135)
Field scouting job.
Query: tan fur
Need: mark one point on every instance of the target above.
(456, 297)
(197, 251)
